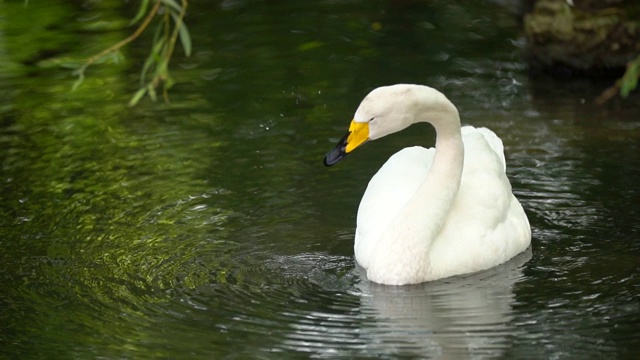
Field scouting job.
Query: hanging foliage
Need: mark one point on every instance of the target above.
(170, 27)
(625, 85)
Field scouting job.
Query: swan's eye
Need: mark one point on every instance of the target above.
(373, 118)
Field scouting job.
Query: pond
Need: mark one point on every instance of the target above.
(208, 227)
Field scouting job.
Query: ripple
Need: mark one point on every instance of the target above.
(318, 304)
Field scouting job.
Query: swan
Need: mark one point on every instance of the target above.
(429, 214)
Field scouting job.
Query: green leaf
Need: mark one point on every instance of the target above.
(158, 33)
(152, 92)
(630, 78)
(168, 82)
(104, 25)
(80, 73)
(185, 37)
(63, 62)
(145, 68)
(137, 96)
(163, 69)
(153, 58)
(172, 4)
(142, 10)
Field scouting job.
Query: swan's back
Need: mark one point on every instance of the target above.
(491, 139)
(485, 226)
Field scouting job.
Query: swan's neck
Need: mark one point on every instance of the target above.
(435, 196)
(443, 178)
(421, 219)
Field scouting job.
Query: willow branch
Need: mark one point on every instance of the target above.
(124, 41)
(608, 93)
(172, 42)
(176, 30)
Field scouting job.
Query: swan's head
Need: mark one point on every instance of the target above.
(383, 111)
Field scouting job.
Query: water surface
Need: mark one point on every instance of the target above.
(208, 227)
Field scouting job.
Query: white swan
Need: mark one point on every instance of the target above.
(432, 213)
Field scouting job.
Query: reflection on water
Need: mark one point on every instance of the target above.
(462, 317)
(319, 304)
(208, 227)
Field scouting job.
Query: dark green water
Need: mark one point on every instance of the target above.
(208, 227)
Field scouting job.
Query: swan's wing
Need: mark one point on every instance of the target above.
(388, 191)
(492, 140)
(487, 223)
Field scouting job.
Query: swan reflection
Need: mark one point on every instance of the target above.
(461, 317)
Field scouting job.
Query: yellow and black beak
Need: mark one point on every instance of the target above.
(358, 134)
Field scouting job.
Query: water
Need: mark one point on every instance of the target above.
(209, 228)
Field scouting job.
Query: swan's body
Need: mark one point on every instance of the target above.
(432, 213)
